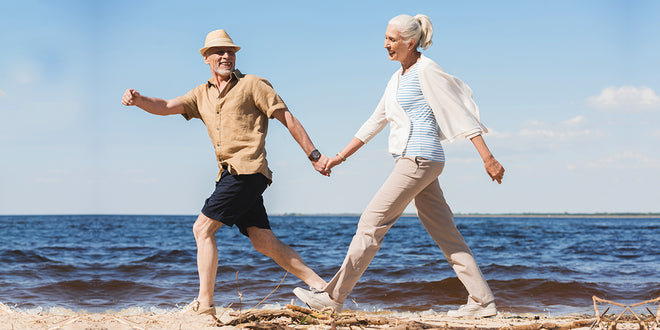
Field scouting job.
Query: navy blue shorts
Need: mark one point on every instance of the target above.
(237, 200)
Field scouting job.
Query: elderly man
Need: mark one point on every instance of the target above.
(235, 108)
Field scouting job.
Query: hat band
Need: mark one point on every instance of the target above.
(221, 40)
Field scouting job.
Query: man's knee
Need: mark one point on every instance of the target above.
(205, 227)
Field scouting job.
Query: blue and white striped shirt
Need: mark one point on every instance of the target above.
(424, 137)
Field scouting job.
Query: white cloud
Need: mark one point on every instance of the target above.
(2, 93)
(561, 131)
(492, 133)
(24, 73)
(626, 160)
(625, 98)
(577, 120)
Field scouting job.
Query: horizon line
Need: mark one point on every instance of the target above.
(469, 214)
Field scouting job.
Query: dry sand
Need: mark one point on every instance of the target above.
(291, 317)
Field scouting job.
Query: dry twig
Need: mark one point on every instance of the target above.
(65, 322)
(126, 322)
(277, 287)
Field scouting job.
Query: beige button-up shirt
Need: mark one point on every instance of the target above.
(237, 120)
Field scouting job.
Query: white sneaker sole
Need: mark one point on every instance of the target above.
(314, 303)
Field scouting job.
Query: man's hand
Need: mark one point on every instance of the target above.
(129, 97)
(332, 162)
(494, 169)
(156, 106)
(320, 165)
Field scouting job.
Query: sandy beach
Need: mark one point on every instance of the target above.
(289, 317)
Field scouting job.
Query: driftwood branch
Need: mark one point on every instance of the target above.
(264, 315)
(305, 316)
(626, 316)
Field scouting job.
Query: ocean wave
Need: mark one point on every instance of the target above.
(511, 295)
(22, 256)
(170, 256)
(496, 270)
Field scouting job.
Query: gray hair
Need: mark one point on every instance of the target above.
(418, 28)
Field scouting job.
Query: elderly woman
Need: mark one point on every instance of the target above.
(424, 106)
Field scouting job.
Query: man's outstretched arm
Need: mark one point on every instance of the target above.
(152, 105)
(300, 135)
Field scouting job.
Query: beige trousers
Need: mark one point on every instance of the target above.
(413, 179)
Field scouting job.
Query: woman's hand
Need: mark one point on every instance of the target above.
(494, 169)
(332, 162)
(341, 156)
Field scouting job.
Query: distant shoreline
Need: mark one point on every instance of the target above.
(565, 215)
(624, 215)
(497, 215)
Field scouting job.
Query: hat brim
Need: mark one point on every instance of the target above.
(217, 45)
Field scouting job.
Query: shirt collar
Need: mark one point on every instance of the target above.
(235, 75)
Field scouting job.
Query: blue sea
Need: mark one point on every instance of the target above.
(537, 264)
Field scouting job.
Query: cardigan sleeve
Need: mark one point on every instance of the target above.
(374, 124)
(451, 100)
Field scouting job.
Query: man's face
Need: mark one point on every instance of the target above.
(222, 60)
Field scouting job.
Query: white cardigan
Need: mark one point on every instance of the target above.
(449, 98)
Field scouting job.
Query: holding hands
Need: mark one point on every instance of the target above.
(324, 164)
(334, 161)
(350, 149)
(321, 165)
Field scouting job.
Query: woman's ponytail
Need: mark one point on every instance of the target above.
(427, 31)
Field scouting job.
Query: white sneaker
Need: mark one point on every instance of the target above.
(317, 299)
(474, 310)
(195, 308)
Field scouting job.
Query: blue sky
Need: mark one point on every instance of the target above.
(569, 90)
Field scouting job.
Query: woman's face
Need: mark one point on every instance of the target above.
(396, 47)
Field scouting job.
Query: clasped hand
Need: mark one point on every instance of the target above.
(324, 165)
(321, 165)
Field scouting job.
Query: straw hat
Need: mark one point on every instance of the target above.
(218, 38)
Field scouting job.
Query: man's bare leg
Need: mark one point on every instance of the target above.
(207, 257)
(264, 241)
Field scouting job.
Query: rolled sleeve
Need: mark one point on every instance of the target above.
(266, 99)
(474, 134)
(189, 101)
